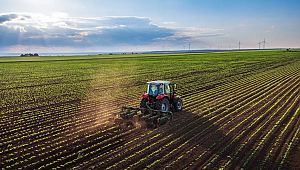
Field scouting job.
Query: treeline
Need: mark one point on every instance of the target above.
(29, 55)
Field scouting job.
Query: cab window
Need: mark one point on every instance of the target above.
(161, 89)
(167, 88)
(152, 89)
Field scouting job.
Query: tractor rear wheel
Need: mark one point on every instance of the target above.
(177, 104)
(163, 105)
(143, 105)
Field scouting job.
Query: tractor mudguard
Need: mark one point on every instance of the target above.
(176, 97)
(162, 96)
(145, 95)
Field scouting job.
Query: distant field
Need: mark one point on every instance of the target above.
(79, 57)
(241, 110)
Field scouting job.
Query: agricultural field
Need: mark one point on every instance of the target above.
(241, 111)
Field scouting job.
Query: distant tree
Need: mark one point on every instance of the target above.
(22, 55)
(35, 54)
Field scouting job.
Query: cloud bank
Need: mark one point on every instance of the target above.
(61, 31)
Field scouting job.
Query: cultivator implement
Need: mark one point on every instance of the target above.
(151, 117)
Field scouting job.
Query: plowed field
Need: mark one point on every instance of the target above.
(241, 111)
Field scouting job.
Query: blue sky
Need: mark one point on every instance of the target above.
(132, 25)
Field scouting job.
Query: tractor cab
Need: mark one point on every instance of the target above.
(156, 88)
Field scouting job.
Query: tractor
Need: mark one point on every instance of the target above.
(157, 105)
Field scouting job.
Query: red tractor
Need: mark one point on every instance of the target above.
(161, 96)
(156, 105)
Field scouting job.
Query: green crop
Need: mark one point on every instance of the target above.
(55, 110)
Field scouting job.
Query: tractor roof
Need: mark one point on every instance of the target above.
(158, 82)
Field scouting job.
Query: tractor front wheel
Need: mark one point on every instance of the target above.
(178, 104)
(163, 105)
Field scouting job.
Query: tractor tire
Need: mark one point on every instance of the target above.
(162, 105)
(144, 105)
(177, 104)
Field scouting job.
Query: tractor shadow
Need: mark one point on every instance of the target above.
(196, 128)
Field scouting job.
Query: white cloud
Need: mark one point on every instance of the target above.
(61, 30)
(193, 31)
(192, 34)
(274, 26)
(169, 23)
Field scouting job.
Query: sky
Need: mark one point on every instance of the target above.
(146, 25)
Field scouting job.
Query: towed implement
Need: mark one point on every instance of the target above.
(156, 107)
